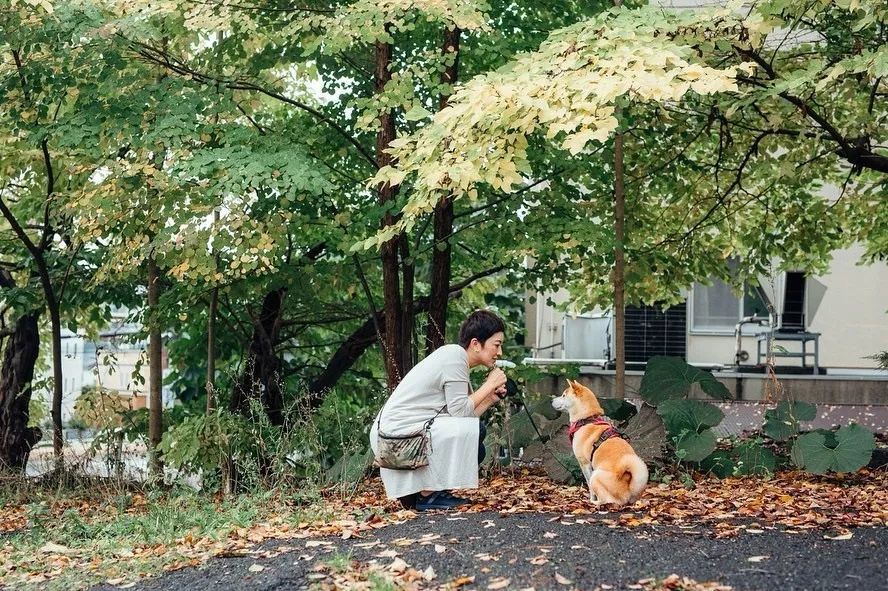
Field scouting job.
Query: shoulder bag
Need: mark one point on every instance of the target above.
(405, 452)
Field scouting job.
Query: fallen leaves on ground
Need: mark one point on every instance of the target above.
(675, 583)
(795, 501)
(371, 575)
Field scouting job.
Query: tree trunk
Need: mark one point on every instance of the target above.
(408, 344)
(55, 319)
(619, 270)
(389, 250)
(155, 370)
(365, 335)
(619, 262)
(344, 357)
(211, 350)
(16, 438)
(260, 378)
(55, 322)
(436, 329)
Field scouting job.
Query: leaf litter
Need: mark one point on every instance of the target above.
(795, 502)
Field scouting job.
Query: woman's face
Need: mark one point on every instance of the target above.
(487, 352)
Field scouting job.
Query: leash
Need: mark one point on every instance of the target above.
(512, 390)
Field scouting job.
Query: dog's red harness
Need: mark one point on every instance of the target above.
(611, 431)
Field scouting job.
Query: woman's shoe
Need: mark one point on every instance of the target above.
(438, 500)
(457, 501)
(409, 502)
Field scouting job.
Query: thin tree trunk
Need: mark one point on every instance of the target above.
(389, 251)
(619, 262)
(55, 320)
(38, 254)
(211, 350)
(619, 270)
(19, 358)
(155, 376)
(408, 345)
(436, 329)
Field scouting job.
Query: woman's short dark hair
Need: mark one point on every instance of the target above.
(481, 325)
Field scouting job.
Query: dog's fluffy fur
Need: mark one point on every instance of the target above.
(615, 474)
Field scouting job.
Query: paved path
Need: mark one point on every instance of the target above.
(529, 549)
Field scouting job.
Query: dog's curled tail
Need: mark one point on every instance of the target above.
(635, 473)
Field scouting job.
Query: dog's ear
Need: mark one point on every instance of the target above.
(570, 384)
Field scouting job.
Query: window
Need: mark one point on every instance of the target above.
(717, 308)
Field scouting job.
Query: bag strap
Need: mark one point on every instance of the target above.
(428, 424)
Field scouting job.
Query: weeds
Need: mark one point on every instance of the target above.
(71, 540)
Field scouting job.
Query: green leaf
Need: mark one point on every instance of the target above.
(618, 409)
(694, 447)
(782, 422)
(669, 378)
(719, 463)
(417, 113)
(689, 415)
(752, 458)
(851, 449)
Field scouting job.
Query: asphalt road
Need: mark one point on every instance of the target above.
(529, 549)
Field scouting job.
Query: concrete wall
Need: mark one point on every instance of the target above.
(751, 387)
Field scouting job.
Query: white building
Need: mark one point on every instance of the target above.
(115, 363)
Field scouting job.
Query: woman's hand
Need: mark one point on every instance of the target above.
(496, 380)
(490, 392)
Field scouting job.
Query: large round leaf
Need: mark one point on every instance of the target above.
(689, 415)
(694, 447)
(849, 450)
(782, 422)
(670, 378)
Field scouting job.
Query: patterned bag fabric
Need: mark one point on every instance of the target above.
(405, 452)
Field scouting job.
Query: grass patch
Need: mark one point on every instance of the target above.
(57, 537)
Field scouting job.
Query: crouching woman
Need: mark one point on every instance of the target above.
(437, 389)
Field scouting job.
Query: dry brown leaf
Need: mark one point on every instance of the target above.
(562, 580)
(500, 583)
(429, 574)
(398, 565)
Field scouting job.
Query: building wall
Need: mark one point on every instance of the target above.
(853, 315)
(847, 305)
(852, 318)
(111, 368)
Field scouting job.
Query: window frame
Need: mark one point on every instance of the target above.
(746, 329)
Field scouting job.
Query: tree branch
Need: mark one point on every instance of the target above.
(856, 151)
(17, 228)
(164, 59)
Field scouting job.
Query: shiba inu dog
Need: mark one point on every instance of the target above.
(613, 471)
